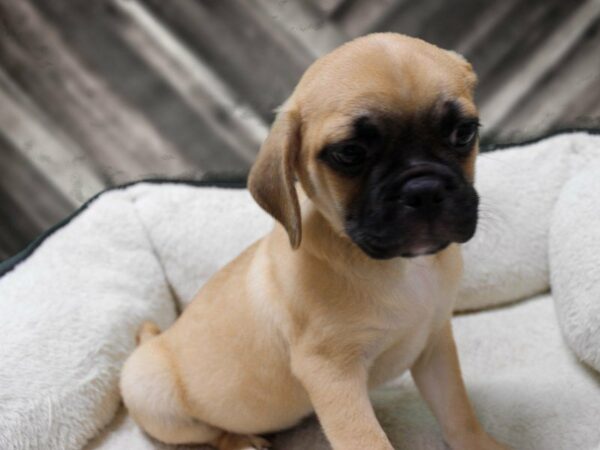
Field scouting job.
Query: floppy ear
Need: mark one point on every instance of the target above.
(272, 177)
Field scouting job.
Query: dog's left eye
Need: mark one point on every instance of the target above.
(464, 134)
(349, 155)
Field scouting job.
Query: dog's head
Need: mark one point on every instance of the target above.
(382, 135)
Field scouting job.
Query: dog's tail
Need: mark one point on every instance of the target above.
(147, 330)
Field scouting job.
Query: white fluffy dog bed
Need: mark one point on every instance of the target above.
(71, 304)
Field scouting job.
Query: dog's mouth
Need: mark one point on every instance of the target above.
(411, 238)
(377, 249)
(424, 218)
(426, 250)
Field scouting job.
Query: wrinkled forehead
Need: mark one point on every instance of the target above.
(406, 83)
(381, 114)
(392, 64)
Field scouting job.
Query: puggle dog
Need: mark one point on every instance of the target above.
(368, 170)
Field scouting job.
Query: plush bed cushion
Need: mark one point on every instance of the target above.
(71, 305)
(527, 387)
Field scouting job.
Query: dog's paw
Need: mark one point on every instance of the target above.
(482, 441)
(230, 441)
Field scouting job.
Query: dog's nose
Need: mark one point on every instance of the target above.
(424, 192)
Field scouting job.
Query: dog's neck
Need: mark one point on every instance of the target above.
(321, 240)
(327, 242)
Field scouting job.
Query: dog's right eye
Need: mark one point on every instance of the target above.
(347, 158)
(348, 155)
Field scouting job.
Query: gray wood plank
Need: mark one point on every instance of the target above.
(407, 16)
(93, 34)
(195, 82)
(327, 7)
(560, 41)
(515, 39)
(29, 203)
(121, 140)
(358, 17)
(262, 70)
(30, 131)
(566, 96)
(452, 22)
(299, 21)
(126, 89)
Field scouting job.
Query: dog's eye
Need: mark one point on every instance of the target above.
(349, 155)
(464, 134)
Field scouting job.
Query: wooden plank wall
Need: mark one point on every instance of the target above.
(97, 93)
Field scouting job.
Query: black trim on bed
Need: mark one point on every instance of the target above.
(235, 183)
(10, 263)
(491, 147)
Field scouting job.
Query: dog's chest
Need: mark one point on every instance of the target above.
(415, 306)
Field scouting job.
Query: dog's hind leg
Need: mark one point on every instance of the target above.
(153, 397)
(231, 441)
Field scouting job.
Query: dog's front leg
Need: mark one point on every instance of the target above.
(437, 375)
(339, 394)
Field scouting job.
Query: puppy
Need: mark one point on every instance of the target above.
(368, 170)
